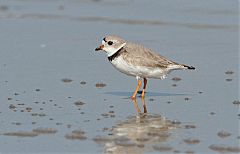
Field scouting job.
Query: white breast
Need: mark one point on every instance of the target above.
(144, 72)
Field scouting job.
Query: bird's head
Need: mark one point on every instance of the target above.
(111, 44)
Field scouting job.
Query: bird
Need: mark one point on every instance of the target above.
(138, 61)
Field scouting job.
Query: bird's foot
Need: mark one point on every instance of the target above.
(133, 97)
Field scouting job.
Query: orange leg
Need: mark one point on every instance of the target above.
(144, 87)
(137, 88)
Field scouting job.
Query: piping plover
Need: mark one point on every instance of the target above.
(138, 61)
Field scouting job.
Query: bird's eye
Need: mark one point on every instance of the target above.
(110, 42)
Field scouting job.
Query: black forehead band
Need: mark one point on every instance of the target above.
(104, 39)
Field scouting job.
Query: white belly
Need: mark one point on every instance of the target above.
(141, 71)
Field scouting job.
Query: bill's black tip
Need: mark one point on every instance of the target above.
(97, 49)
(191, 67)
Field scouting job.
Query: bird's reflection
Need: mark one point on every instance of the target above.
(143, 104)
(138, 134)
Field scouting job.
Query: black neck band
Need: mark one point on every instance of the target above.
(115, 55)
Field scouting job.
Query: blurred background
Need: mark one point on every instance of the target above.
(57, 95)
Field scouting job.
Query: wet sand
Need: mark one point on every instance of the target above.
(59, 95)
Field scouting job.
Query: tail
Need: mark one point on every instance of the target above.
(180, 66)
(188, 67)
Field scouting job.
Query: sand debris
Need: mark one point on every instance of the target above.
(66, 80)
(176, 79)
(100, 85)
(76, 135)
(45, 130)
(21, 134)
(223, 134)
(224, 148)
(191, 141)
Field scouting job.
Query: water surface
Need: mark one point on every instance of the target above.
(59, 96)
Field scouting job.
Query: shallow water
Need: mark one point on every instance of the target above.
(59, 95)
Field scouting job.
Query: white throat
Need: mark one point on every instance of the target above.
(112, 51)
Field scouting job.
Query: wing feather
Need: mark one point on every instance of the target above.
(141, 56)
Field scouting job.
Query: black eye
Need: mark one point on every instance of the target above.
(110, 42)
